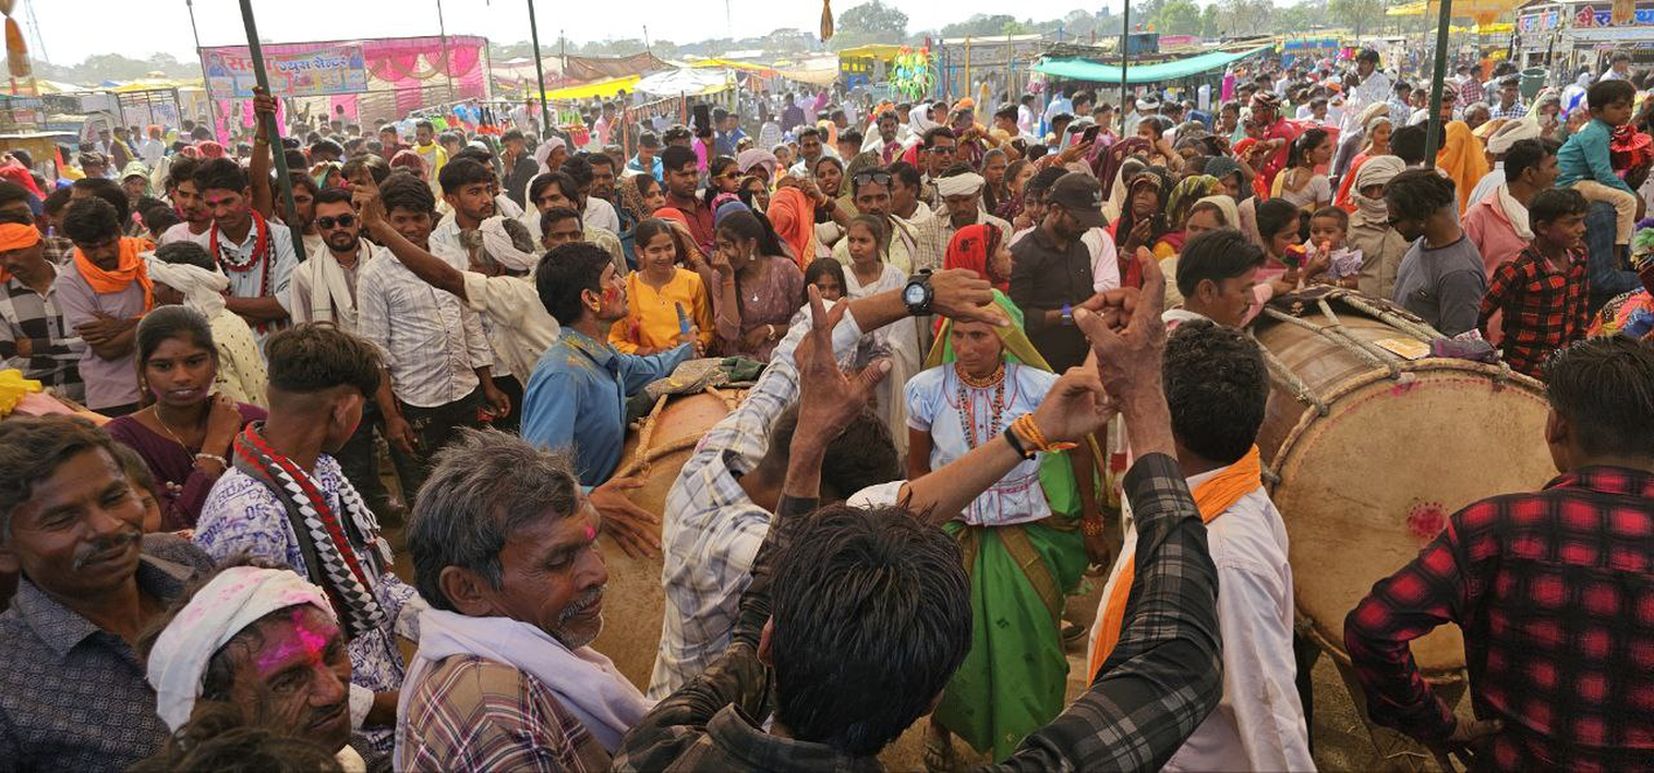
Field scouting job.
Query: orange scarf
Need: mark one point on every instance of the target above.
(130, 268)
(1212, 498)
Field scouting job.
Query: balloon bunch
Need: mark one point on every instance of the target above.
(911, 74)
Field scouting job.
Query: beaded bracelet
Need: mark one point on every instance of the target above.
(222, 462)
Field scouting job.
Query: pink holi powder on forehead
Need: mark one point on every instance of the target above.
(307, 643)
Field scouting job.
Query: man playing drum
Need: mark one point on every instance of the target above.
(1552, 590)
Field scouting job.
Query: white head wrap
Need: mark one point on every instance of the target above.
(959, 185)
(543, 152)
(751, 157)
(1378, 170)
(499, 246)
(203, 290)
(1371, 111)
(233, 600)
(918, 119)
(1525, 128)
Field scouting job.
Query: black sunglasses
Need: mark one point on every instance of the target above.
(878, 178)
(343, 221)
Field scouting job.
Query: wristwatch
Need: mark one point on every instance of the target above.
(1067, 314)
(918, 294)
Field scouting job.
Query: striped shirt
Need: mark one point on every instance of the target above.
(471, 714)
(711, 530)
(436, 343)
(55, 350)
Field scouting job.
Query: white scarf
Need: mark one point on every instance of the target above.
(332, 289)
(584, 681)
(1514, 212)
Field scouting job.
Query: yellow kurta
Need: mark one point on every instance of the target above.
(652, 318)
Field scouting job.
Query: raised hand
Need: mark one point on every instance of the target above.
(1075, 407)
(960, 294)
(827, 397)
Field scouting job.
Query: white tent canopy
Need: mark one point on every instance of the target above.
(688, 82)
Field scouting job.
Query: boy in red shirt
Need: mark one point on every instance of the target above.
(1545, 292)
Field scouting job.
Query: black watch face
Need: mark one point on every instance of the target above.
(914, 295)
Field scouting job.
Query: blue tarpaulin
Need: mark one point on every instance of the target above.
(1075, 68)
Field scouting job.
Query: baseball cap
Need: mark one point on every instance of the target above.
(1080, 194)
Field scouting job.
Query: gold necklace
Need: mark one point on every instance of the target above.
(168, 428)
(982, 382)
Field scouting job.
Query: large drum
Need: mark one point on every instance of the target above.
(1371, 444)
(634, 602)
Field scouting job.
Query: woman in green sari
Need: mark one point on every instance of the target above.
(1021, 539)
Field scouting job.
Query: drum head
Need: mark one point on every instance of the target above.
(1365, 487)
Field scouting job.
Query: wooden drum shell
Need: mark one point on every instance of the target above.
(1365, 484)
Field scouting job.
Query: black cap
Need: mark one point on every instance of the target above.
(1080, 194)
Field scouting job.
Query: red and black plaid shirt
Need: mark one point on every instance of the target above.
(1555, 593)
(1546, 306)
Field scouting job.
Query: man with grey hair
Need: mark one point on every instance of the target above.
(504, 545)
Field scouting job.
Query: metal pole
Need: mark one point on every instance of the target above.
(447, 63)
(1433, 132)
(539, 70)
(205, 87)
(256, 50)
(1125, 59)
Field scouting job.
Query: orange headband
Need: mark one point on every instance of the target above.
(16, 236)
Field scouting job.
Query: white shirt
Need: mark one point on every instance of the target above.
(520, 328)
(252, 282)
(599, 213)
(1259, 723)
(182, 233)
(151, 151)
(1490, 182)
(435, 344)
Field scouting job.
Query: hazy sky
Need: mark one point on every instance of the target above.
(144, 27)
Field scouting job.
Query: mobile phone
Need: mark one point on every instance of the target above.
(1090, 133)
(1160, 222)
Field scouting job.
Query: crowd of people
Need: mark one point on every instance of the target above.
(985, 357)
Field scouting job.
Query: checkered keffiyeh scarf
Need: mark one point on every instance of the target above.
(346, 575)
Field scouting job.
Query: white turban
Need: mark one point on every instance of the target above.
(966, 184)
(499, 246)
(1525, 128)
(1378, 170)
(1370, 112)
(543, 152)
(233, 600)
(751, 157)
(203, 290)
